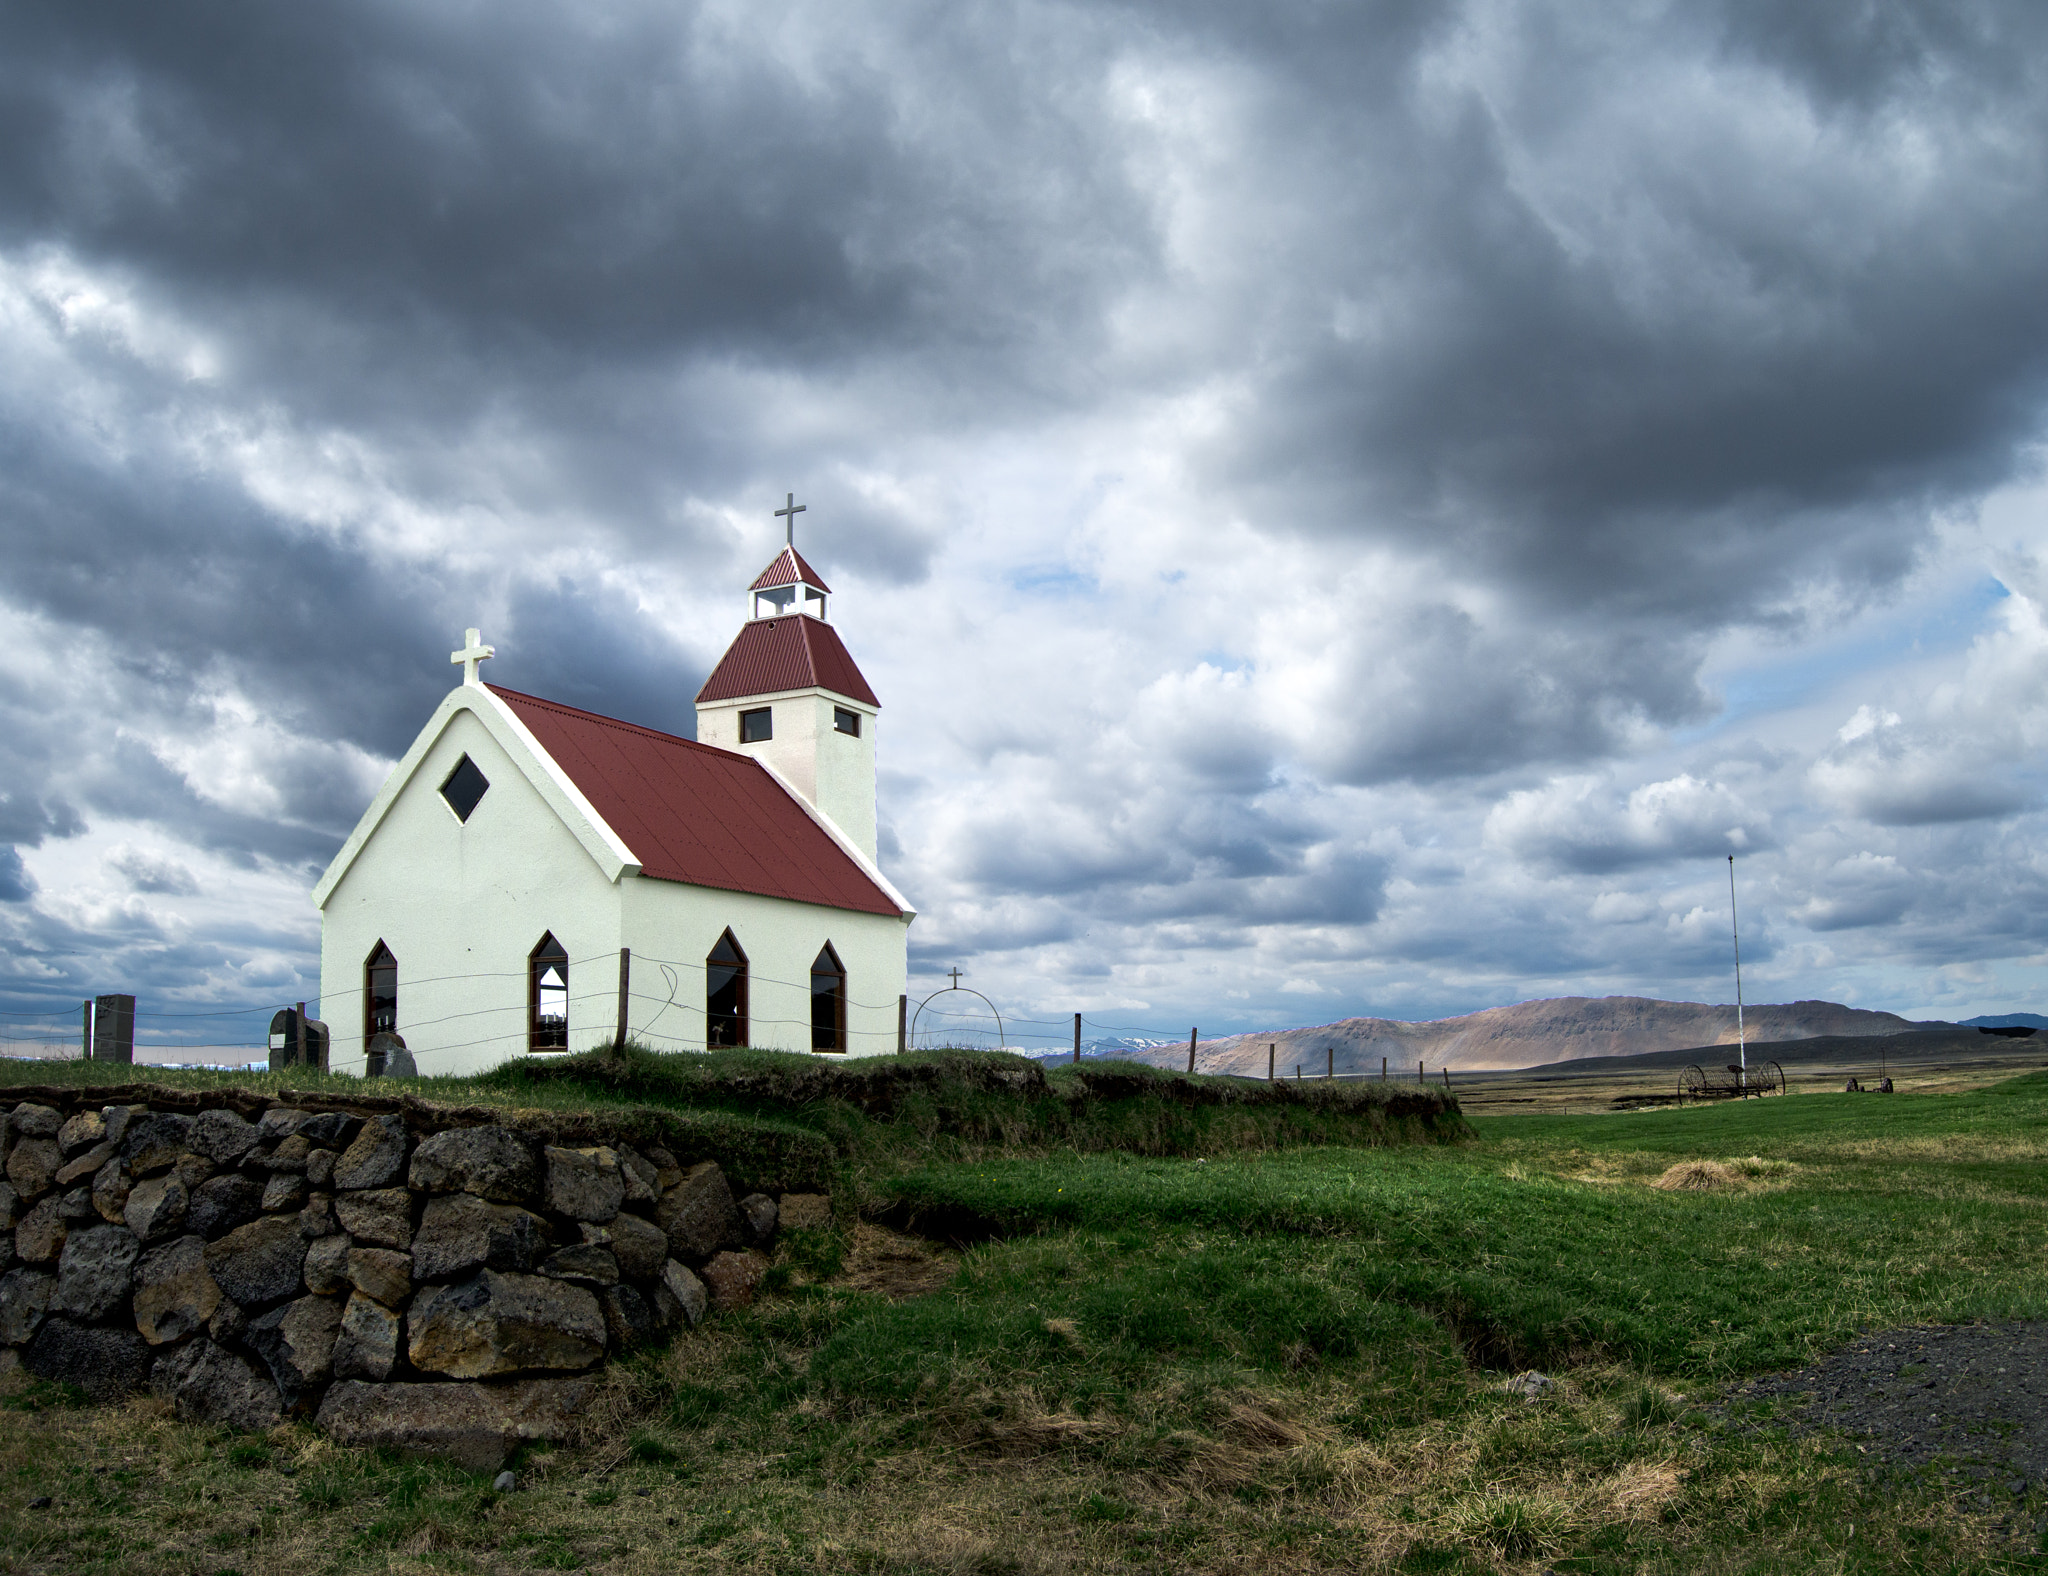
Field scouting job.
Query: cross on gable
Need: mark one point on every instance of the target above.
(956, 979)
(788, 513)
(473, 651)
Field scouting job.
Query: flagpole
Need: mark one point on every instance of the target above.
(1735, 931)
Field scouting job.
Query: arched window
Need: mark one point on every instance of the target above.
(380, 995)
(547, 996)
(725, 994)
(828, 1002)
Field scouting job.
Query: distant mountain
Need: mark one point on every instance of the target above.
(1527, 1034)
(2008, 1020)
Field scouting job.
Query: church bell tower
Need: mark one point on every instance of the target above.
(788, 692)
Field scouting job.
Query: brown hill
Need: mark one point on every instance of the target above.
(1529, 1034)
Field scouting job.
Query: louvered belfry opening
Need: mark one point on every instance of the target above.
(828, 1002)
(547, 996)
(725, 994)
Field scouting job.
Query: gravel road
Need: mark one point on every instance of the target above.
(1968, 1399)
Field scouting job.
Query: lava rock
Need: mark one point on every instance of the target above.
(192, 1169)
(320, 1166)
(679, 1295)
(375, 1158)
(317, 1218)
(156, 1208)
(83, 1131)
(154, 1142)
(32, 1165)
(475, 1425)
(105, 1363)
(381, 1217)
(583, 1262)
(284, 1190)
(367, 1347)
(502, 1324)
(76, 1207)
(640, 1246)
(698, 1214)
(629, 1318)
(326, 1271)
(584, 1184)
(279, 1123)
(220, 1204)
(210, 1384)
(460, 1232)
(40, 1236)
(290, 1155)
(95, 1272)
(222, 1136)
(759, 1215)
(491, 1162)
(24, 1300)
(174, 1294)
(641, 1179)
(330, 1129)
(111, 1185)
(259, 1262)
(382, 1274)
(10, 1206)
(36, 1121)
(83, 1164)
(296, 1342)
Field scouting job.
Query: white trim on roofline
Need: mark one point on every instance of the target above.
(830, 827)
(606, 848)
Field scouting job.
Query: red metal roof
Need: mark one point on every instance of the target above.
(697, 814)
(793, 652)
(788, 569)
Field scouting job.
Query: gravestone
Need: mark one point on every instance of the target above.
(284, 1041)
(387, 1057)
(113, 1028)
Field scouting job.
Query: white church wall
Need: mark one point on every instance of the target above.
(461, 906)
(668, 922)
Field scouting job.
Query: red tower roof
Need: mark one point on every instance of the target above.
(793, 652)
(789, 569)
(696, 814)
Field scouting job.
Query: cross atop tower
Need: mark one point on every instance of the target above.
(788, 513)
(954, 976)
(473, 651)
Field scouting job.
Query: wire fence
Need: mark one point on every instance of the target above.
(455, 1021)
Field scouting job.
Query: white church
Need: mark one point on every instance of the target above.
(524, 855)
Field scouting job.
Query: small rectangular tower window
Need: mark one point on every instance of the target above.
(844, 721)
(464, 788)
(757, 727)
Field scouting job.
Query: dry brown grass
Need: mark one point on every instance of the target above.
(1696, 1176)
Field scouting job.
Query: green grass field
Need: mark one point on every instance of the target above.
(1290, 1359)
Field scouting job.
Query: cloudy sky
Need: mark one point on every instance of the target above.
(1349, 509)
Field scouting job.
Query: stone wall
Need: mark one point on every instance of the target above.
(432, 1279)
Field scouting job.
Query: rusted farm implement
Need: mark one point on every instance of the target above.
(1731, 1083)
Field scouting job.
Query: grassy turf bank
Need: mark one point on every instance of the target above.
(780, 1120)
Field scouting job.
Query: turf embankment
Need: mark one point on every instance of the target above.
(774, 1118)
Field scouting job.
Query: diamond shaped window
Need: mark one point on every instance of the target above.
(464, 788)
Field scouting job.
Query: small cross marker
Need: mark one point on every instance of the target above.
(788, 513)
(955, 976)
(473, 651)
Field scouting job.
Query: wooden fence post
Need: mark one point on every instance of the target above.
(1077, 1039)
(1419, 1078)
(1383, 1069)
(1331, 1070)
(1269, 1062)
(1297, 1072)
(1193, 1035)
(85, 1031)
(1447, 1080)
(625, 996)
(902, 1024)
(299, 1023)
